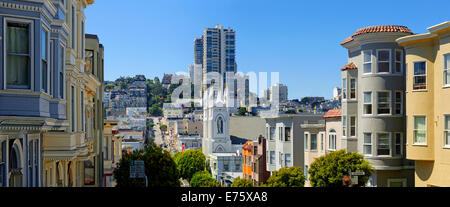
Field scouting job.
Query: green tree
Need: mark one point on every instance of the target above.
(290, 112)
(203, 179)
(242, 182)
(163, 127)
(190, 162)
(329, 170)
(242, 111)
(160, 168)
(287, 177)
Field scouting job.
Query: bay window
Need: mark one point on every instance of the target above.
(398, 105)
(18, 60)
(332, 140)
(313, 142)
(383, 61)
(398, 61)
(398, 144)
(352, 88)
(447, 69)
(344, 125)
(367, 148)
(420, 76)
(420, 130)
(367, 103)
(352, 126)
(447, 130)
(383, 144)
(44, 61)
(367, 61)
(384, 103)
(344, 88)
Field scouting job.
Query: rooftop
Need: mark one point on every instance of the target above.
(333, 113)
(378, 29)
(349, 66)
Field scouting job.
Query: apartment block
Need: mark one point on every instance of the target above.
(373, 103)
(427, 104)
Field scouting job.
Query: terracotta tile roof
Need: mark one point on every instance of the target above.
(333, 113)
(349, 66)
(376, 29)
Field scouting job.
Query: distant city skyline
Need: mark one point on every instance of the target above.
(157, 37)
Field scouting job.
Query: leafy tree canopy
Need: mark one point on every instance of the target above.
(190, 162)
(203, 179)
(241, 182)
(160, 168)
(329, 170)
(287, 177)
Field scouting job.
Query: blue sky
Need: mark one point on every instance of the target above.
(299, 39)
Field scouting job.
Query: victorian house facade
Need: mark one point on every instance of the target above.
(44, 94)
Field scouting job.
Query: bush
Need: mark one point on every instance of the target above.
(160, 168)
(203, 179)
(287, 177)
(330, 169)
(242, 182)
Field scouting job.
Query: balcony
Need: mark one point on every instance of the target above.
(60, 141)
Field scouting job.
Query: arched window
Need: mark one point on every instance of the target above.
(219, 149)
(332, 140)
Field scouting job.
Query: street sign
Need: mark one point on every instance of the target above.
(357, 173)
(354, 180)
(137, 169)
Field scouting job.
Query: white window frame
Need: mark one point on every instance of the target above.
(446, 70)
(344, 126)
(350, 122)
(344, 89)
(322, 142)
(389, 101)
(6, 20)
(425, 75)
(389, 61)
(370, 62)
(394, 149)
(395, 61)
(414, 131)
(446, 131)
(395, 102)
(46, 29)
(332, 141)
(366, 103)
(368, 144)
(353, 79)
(378, 143)
(306, 141)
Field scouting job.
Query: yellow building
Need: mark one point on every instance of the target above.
(69, 155)
(427, 104)
(112, 151)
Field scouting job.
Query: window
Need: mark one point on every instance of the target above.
(306, 172)
(44, 61)
(367, 102)
(383, 146)
(352, 126)
(344, 126)
(352, 88)
(332, 140)
(272, 133)
(398, 105)
(384, 103)
(280, 155)
(287, 134)
(314, 142)
(420, 130)
(89, 57)
(398, 144)
(18, 70)
(287, 160)
(2, 162)
(272, 157)
(74, 16)
(73, 107)
(280, 133)
(82, 110)
(367, 61)
(447, 70)
(367, 150)
(383, 61)
(447, 130)
(344, 88)
(420, 76)
(321, 142)
(306, 141)
(398, 61)
(82, 39)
